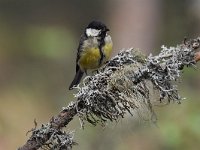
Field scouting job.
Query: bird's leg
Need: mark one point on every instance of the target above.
(95, 71)
(86, 72)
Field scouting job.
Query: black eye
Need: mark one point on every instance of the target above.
(107, 29)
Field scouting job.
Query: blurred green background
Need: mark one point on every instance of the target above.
(38, 42)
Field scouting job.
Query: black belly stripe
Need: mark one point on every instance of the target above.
(102, 43)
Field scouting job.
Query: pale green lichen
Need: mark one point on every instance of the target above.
(125, 83)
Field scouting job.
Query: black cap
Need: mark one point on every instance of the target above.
(97, 25)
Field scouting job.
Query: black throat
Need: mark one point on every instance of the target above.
(101, 44)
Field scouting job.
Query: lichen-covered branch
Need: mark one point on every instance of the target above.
(50, 135)
(125, 84)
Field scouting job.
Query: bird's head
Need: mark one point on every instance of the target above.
(96, 29)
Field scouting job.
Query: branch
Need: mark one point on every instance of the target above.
(127, 83)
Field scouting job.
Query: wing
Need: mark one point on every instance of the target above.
(82, 39)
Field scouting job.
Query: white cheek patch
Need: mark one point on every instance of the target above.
(92, 32)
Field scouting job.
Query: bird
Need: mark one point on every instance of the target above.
(95, 47)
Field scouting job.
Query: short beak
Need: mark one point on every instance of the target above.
(107, 29)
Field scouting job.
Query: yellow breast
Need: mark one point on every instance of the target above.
(107, 49)
(90, 56)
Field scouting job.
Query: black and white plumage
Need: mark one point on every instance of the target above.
(94, 49)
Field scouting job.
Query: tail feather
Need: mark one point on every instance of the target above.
(77, 79)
